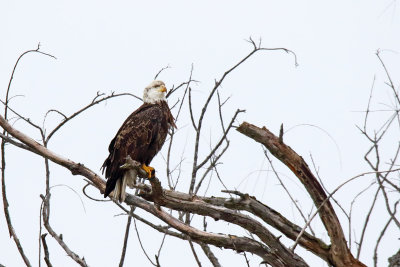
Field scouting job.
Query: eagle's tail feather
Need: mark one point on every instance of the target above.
(120, 189)
(119, 192)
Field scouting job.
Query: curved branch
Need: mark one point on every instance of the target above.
(340, 253)
(94, 102)
(14, 69)
(3, 158)
(275, 219)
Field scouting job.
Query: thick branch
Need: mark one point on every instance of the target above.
(275, 219)
(220, 240)
(244, 203)
(75, 168)
(340, 254)
(198, 206)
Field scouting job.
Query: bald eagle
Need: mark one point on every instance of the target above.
(140, 137)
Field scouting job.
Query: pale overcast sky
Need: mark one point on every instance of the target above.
(120, 45)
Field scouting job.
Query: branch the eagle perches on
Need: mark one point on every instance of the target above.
(269, 247)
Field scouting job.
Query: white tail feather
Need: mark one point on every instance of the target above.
(129, 179)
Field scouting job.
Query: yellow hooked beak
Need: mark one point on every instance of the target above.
(163, 89)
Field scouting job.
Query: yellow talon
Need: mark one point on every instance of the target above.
(150, 170)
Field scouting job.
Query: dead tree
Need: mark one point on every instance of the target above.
(177, 209)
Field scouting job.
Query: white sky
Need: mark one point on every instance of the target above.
(119, 46)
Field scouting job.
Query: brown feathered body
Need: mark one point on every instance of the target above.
(141, 137)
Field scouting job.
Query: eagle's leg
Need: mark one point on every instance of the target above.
(150, 170)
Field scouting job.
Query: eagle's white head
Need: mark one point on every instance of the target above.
(154, 92)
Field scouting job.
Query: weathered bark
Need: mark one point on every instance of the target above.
(197, 205)
(275, 219)
(243, 203)
(340, 254)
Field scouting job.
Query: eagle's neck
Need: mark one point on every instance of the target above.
(153, 97)
(155, 101)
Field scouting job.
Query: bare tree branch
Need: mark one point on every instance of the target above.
(210, 255)
(208, 100)
(366, 221)
(161, 70)
(239, 208)
(222, 139)
(219, 240)
(273, 218)
(381, 236)
(46, 251)
(286, 190)
(58, 238)
(84, 109)
(388, 76)
(11, 229)
(141, 245)
(194, 253)
(128, 225)
(340, 254)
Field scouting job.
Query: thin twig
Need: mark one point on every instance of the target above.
(161, 70)
(375, 257)
(194, 253)
(26, 119)
(222, 139)
(128, 226)
(141, 245)
(218, 83)
(160, 248)
(11, 229)
(334, 199)
(15, 143)
(366, 221)
(246, 259)
(187, 83)
(388, 76)
(46, 251)
(220, 111)
(328, 197)
(210, 255)
(286, 190)
(91, 198)
(191, 111)
(213, 163)
(61, 124)
(58, 238)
